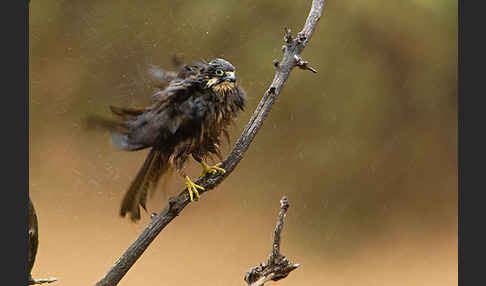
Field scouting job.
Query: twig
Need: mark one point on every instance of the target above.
(42, 281)
(278, 266)
(292, 48)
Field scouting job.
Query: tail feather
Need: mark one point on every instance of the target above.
(158, 167)
(155, 165)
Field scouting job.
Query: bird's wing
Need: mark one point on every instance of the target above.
(177, 105)
(179, 85)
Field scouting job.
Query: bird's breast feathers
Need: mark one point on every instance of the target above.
(223, 88)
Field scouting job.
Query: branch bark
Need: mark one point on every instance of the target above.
(278, 266)
(292, 58)
(42, 281)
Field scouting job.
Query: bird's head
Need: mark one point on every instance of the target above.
(220, 76)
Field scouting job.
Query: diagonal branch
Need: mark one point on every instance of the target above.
(278, 266)
(292, 58)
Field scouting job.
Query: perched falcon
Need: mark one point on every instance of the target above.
(186, 118)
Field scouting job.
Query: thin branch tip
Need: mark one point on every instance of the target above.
(304, 65)
(42, 281)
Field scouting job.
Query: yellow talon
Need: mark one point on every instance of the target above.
(211, 169)
(192, 188)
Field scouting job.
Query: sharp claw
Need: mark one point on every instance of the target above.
(191, 196)
(196, 194)
(221, 170)
(192, 189)
(211, 170)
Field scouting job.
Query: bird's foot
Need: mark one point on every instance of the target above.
(192, 188)
(211, 169)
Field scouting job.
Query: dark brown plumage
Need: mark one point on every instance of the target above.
(187, 118)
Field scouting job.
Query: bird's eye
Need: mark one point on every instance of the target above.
(219, 72)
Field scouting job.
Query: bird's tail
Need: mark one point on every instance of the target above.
(155, 165)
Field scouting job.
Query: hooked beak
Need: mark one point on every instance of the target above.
(230, 76)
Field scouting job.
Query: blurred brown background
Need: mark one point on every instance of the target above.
(365, 149)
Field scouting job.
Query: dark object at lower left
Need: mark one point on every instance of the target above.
(33, 237)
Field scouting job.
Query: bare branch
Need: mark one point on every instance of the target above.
(284, 206)
(278, 266)
(42, 281)
(293, 47)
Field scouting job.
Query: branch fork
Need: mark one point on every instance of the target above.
(277, 266)
(296, 45)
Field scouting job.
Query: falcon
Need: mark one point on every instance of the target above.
(187, 118)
